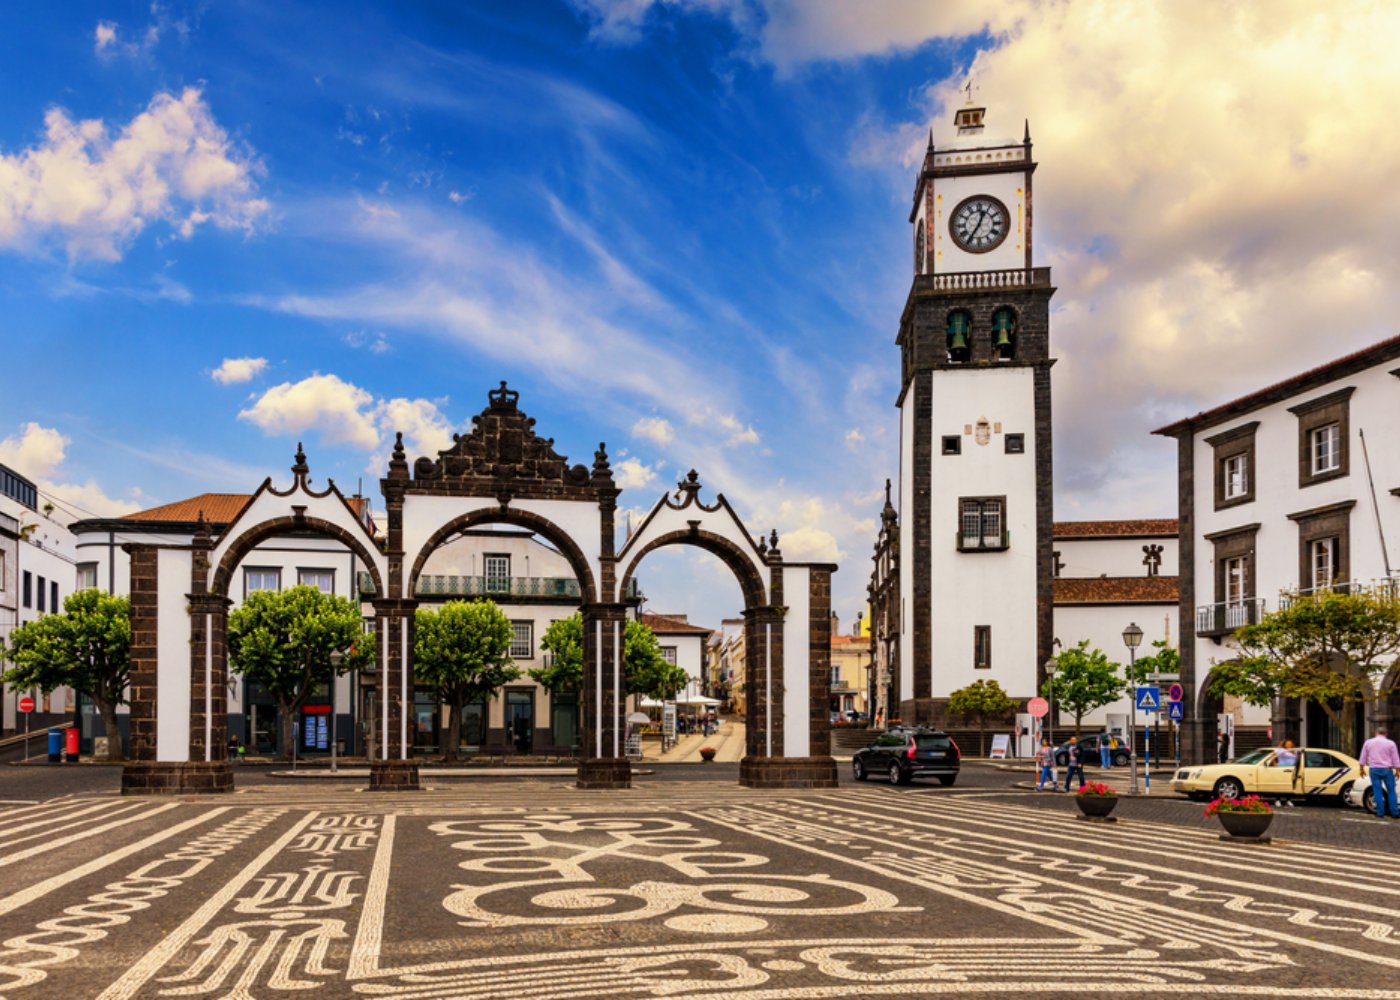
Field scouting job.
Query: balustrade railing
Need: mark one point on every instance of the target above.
(498, 587)
(971, 281)
(1225, 617)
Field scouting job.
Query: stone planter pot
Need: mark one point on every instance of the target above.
(1244, 826)
(1096, 806)
(707, 755)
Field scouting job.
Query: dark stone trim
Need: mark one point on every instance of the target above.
(1329, 521)
(819, 662)
(1197, 733)
(1333, 408)
(1044, 521)
(1331, 508)
(1233, 434)
(1332, 398)
(604, 772)
(750, 582)
(788, 772)
(248, 539)
(1230, 444)
(145, 645)
(177, 778)
(920, 527)
(1215, 536)
(393, 776)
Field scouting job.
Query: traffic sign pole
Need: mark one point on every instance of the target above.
(26, 705)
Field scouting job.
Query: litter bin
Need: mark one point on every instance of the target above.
(70, 743)
(55, 746)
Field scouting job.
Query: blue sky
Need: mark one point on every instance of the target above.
(676, 227)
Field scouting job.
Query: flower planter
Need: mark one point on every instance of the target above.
(1096, 806)
(1245, 825)
(707, 754)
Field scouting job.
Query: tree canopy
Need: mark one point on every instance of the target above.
(87, 647)
(1084, 679)
(1330, 648)
(462, 651)
(645, 670)
(284, 640)
(980, 700)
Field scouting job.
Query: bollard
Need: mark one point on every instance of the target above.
(55, 746)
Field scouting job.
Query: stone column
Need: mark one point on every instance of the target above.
(393, 767)
(602, 755)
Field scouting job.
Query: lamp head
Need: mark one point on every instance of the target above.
(1132, 636)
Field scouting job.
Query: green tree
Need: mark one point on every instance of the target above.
(284, 641)
(644, 670)
(1330, 648)
(463, 652)
(87, 647)
(1085, 679)
(981, 700)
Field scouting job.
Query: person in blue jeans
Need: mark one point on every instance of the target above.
(1045, 757)
(1380, 755)
(1075, 763)
(1105, 751)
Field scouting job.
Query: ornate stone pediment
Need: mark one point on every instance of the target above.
(503, 449)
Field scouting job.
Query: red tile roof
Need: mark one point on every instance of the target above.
(671, 625)
(1162, 526)
(218, 509)
(1117, 590)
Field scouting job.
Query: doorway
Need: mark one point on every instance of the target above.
(520, 720)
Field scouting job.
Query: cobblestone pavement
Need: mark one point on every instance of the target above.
(534, 889)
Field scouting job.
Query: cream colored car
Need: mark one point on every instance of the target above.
(1272, 773)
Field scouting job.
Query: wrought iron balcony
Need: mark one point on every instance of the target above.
(983, 542)
(500, 588)
(1215, 620)
(1388, 589)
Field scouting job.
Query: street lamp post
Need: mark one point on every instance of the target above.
(336, 658)
(1050, 667)
(1132, 638)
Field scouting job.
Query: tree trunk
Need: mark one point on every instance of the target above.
(1348, 728)
(981, 736)
(1078, 725)
(286, 736)
(454, 730)
(108, 711)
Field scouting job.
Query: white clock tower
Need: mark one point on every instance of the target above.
(975, 491)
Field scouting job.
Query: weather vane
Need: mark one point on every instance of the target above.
(969, 89)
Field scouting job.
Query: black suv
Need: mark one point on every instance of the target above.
(904, 754)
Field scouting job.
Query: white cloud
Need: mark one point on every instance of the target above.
(631, 473)
(105, 37)
(37, 453)
(335, 409)
(458, 198)
(738, 432)
(95, 192)
(655, 429)
(425, 430)
(373, 341)
(236, 370)
(854, 438)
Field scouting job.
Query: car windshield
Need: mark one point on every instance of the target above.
(929, 742)
(1257, 757)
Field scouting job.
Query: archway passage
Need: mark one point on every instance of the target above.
(787, 635)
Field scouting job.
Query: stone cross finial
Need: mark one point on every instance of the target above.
(1152, 559)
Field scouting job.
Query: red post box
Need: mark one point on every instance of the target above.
(70, 743)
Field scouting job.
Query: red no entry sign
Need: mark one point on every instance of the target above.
(1038, 707)
(26, 704)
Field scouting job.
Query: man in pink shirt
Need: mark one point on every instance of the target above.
(1380, 754)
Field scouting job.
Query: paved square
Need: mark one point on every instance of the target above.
(535, 889)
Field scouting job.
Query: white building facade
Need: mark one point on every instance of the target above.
(1292, 488)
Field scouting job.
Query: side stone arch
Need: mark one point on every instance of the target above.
(750, 583)
(250, 538)
(521, 519)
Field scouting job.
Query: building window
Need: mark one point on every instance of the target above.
(322, 579)
(42, 590)
(87, 576)
(1236, 579)
(952, 444)
(1323, 428)
(982, 647)
(497, 573)
(982, 523)
(522, 640)
(919, 248)
(836, 677)
(1323, 562)
(959, 336)
(28, 589)
(1004, 334)
(1326, 449)
(257, 578)
(53, 597)
(3, 574)
(1234, 465)
(1015, 444)
(1236, 476)
(668, 653)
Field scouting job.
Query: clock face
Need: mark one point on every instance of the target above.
(979, 224)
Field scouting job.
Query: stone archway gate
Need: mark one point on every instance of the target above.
(501, 472)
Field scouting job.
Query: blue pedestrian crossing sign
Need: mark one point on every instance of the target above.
(1149, 698)
(1174, 711)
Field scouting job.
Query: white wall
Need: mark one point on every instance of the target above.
(1093, 557)
(948, 192)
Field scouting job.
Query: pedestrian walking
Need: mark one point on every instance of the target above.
(1074, 763)
(1105, 750)
(1223, 753)
(1381, 756)
(1045, 760)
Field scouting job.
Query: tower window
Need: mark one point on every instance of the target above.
(982, 647)
(959, 336)
(982, 524)
(919, 248)
(952, 444)
(1004, 334)
(1015, 444)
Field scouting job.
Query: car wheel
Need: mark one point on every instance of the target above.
(1121, 760)
(1368, 801)
(946, 780)
(1229, 788)
(896, 775)
(858, 770)
(1061, 759)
